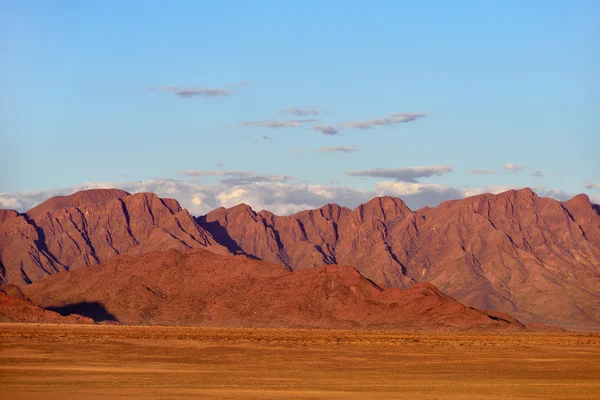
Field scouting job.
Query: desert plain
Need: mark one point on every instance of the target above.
(106, 362)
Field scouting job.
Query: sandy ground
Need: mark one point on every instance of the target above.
(105, 362)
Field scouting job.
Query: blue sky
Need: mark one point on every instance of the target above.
(496, 82)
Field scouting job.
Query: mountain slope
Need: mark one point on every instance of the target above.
(89, 227)
(536, 258)
(201, 288)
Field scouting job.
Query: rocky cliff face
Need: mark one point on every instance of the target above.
(536, 258)
(90, 227)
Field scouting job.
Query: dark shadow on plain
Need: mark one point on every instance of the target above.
(93, 310)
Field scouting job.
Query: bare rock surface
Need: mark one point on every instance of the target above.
(535, 258)
(89, 227)
(197, 287)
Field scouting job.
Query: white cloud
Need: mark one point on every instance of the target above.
(232, 197)
(513, 167)
(198, 199)
(407, 188)
(9, 202)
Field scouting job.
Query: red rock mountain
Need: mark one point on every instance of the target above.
(201, 288)
(89, 227)
(535, 258)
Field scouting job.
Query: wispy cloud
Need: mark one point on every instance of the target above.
(191, 92)
(537, 174)
(267, 138)
(408, 174)
(337, 149)
(239, 84)
(326, 129)
(238, 177)
(303, 111)
(277, 124)
(481, 172)
(390, 120)
(220, 165)
(513, 167)
(590, 185)
(298, 151)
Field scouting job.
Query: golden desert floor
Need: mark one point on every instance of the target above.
(104, 362)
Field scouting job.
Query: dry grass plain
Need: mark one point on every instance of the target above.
(105, 362)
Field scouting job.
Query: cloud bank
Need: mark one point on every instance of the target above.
(280, 197)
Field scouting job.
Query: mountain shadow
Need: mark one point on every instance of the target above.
(93, 310)
(220, 234)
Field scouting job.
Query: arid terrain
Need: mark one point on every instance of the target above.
(199, 288)
(93, 362)
(534, 258)
(317, 200)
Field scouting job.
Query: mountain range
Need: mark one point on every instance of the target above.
(197, 287)
(534, 258)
